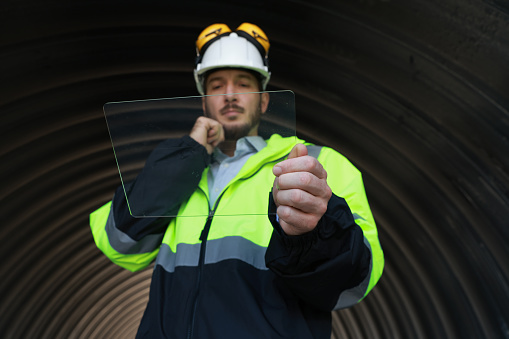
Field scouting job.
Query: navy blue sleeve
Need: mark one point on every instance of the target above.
(170, 175)
(319, 265)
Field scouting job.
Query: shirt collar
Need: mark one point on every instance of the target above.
(249, 144)
(255, 142)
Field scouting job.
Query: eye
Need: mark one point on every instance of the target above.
(215, 86)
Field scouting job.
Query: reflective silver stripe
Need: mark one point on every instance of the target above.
(236, 248)
(188, 255)
(352, 296)
(124, 244)
(314, 150)
(217, 250)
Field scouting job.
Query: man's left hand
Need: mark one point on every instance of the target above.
(300, 191)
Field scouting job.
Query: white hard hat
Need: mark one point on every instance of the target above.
(217, 47)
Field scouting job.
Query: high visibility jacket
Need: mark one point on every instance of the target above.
(229, 272)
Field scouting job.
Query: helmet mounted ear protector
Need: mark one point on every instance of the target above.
(208, 36)
(247, 48)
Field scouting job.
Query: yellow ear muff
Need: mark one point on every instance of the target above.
(257, 33)
(210, 33)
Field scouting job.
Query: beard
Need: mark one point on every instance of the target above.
(235, 131)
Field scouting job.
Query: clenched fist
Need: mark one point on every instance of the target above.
(300, 191)
(208, 132)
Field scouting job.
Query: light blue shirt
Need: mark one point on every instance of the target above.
(224, 168)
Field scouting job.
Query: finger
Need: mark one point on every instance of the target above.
(200, 130)
(303, 201)
(298, 150)
(275, 190)
(301, 164)
(215, 135)
(219, 139)
(305, 181)
(295, 222)
(213, 130)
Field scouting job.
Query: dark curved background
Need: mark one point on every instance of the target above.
(415, 93)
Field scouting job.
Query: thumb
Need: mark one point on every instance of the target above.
(298, 150)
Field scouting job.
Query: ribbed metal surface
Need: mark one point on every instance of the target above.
(415, 93)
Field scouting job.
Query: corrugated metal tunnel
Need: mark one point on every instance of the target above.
(414, 93)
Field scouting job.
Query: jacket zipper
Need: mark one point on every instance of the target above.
(203, 237)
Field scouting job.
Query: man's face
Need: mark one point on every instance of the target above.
(238, 113)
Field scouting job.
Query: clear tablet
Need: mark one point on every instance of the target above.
(139, 129)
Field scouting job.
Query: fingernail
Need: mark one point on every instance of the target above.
(277, 171)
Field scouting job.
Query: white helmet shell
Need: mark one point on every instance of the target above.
(231, 51)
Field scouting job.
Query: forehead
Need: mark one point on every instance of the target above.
(225, 74)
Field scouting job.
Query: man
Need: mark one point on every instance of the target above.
(224, 271)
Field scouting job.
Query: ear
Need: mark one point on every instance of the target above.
(265, 101)
(203, 107)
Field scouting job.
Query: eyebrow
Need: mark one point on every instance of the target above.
(241, 76)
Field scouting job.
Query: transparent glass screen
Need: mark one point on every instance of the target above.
(161, 167)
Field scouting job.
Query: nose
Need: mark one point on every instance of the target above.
(229, 92)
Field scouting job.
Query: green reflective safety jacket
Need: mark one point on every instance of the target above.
(231, 266)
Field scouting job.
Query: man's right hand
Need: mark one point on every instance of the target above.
(208, 132)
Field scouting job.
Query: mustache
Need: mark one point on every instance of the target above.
(229, 107)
